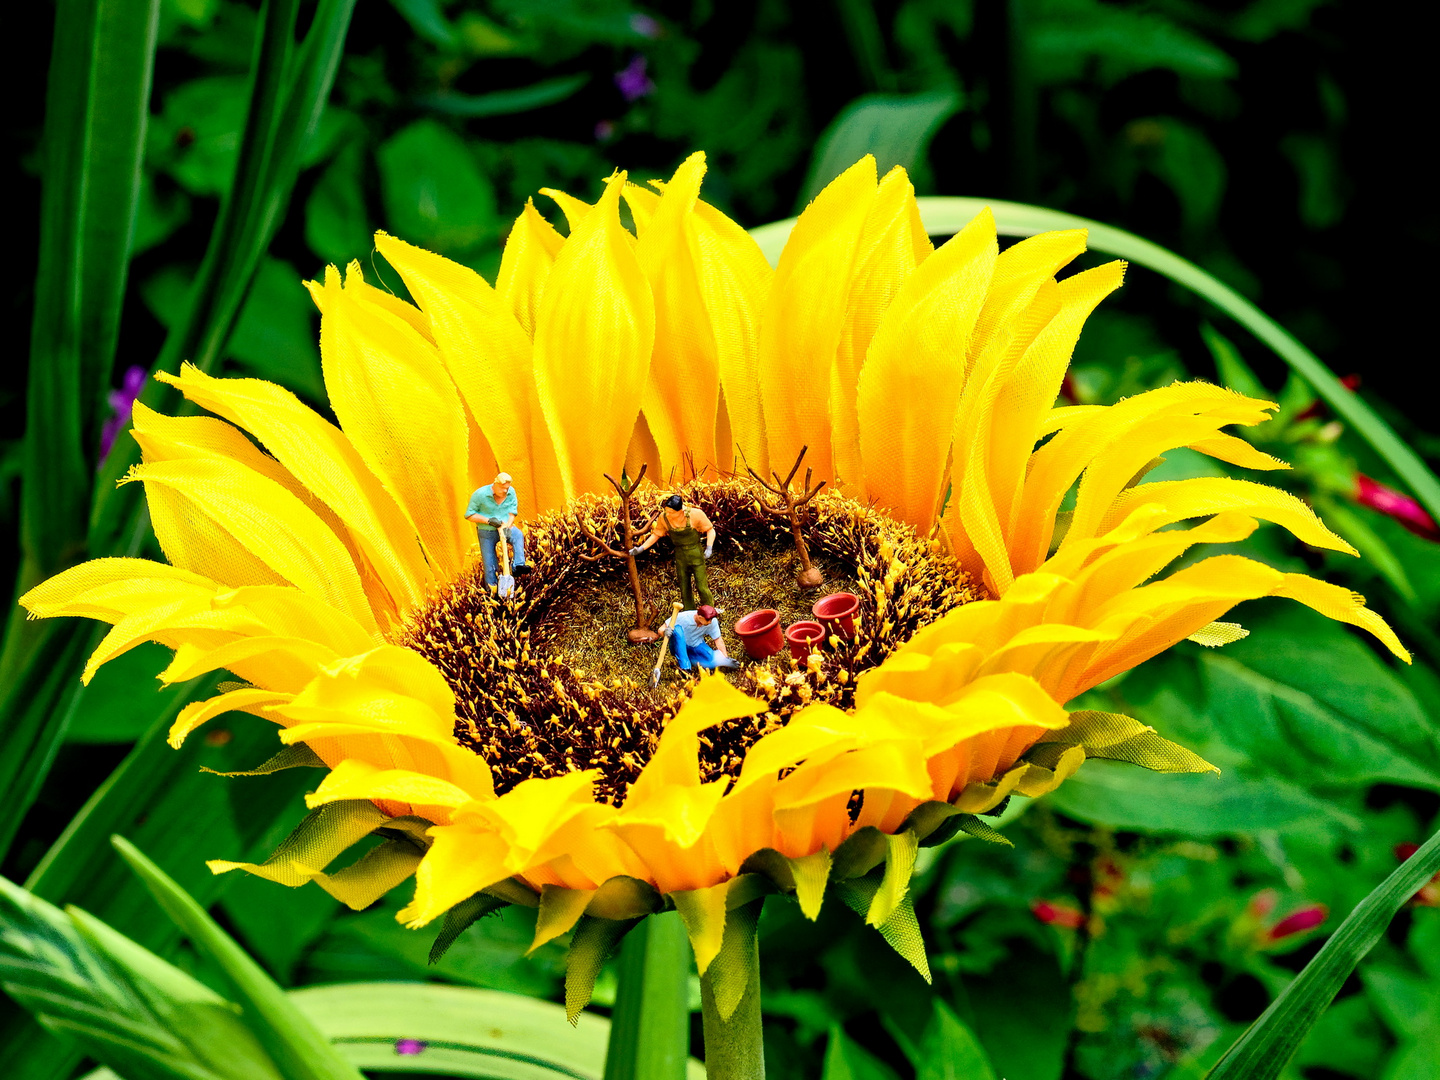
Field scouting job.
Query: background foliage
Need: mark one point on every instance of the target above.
(1140, 922)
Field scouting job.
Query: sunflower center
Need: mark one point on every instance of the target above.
(548, 680)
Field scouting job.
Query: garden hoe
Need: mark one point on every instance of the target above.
(505, 583)
(665, 646)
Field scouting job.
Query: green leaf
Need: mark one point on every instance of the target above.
(845, 1059)
(435, 194)
(505, 102)
(1261, 1053)
(123, 699)
(950, 1051)
(1066, 36)
(650, 1024)
(122, 1004)
(945, 216)
(1230, 366)
(1125, 797)
(896, 128)
(97, 104)
(337, 225)
(275, 337)
(300, 1050)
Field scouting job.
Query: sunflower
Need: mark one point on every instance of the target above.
(328, 568)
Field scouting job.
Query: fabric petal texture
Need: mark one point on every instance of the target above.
(922, 384)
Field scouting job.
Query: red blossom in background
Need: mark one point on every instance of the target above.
(1297, 922)
(1066, 915)
(1394, 504)
(1429, 894)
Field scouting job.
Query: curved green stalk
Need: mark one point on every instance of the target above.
(734, 1048)
(650, 1025)
(947, 215)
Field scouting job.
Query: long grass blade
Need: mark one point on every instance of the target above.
(290, 1038)
(1261, 1053)
(96, 109)
(947, 215)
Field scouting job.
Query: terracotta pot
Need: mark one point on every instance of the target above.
(836, 613)
(759, 632)
(803, 636)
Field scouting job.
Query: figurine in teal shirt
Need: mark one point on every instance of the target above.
(492, 508)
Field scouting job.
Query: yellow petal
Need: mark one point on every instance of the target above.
(66, 593)
(461, 861)
(320, 456)
(235, 507)
(249, 699)
(682, 391)
(575, 210)
(734, 281)
(804, 316)
(402, 414)
(892, 242)
(593, 337)
(529, 254)
(910, 386)
(488, 355)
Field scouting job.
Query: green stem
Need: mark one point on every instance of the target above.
(734, 1048)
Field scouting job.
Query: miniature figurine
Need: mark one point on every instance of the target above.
(492, 508)
(685, 525)
(644, 611)
(687, 632)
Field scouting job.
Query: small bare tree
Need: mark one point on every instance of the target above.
(791, 505)
(644, 610)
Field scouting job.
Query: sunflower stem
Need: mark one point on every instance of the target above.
(734, 1048)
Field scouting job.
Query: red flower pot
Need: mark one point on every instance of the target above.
(803, 636)
(836, 613)
(759, 632)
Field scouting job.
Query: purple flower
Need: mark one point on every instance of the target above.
(122, 401)
(410, 1047)
(633, 82)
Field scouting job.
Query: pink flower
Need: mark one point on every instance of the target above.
(410, 1047)
(1392, 503)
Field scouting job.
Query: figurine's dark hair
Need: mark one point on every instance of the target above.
(675, 502)
(705, 611)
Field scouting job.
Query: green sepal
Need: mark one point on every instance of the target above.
(861, 852)
(895, 882)
(374, 874)
(594, 941)
(936, 822)
(512, 891)
(731, 971)
(901, 930)
(1116, 737)
(622, 897)
(811, 874)
(295, 756)
(323, 834)
(460, 918)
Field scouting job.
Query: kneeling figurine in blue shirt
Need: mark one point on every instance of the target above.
(492, 508)
(687, 632)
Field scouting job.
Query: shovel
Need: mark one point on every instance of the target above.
(665, 647)
(505, 583)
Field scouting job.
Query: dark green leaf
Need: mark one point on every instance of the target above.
(435, 194)
(505, 102)
(1125, 797)
(847, 1060)
(896, 128)
(1261, 1053)
(950, 1051)
(337, 225)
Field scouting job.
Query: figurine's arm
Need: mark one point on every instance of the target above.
(649, 542)
(706, 529)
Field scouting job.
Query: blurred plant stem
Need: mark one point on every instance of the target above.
(650, 1025)
(734, 1048)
